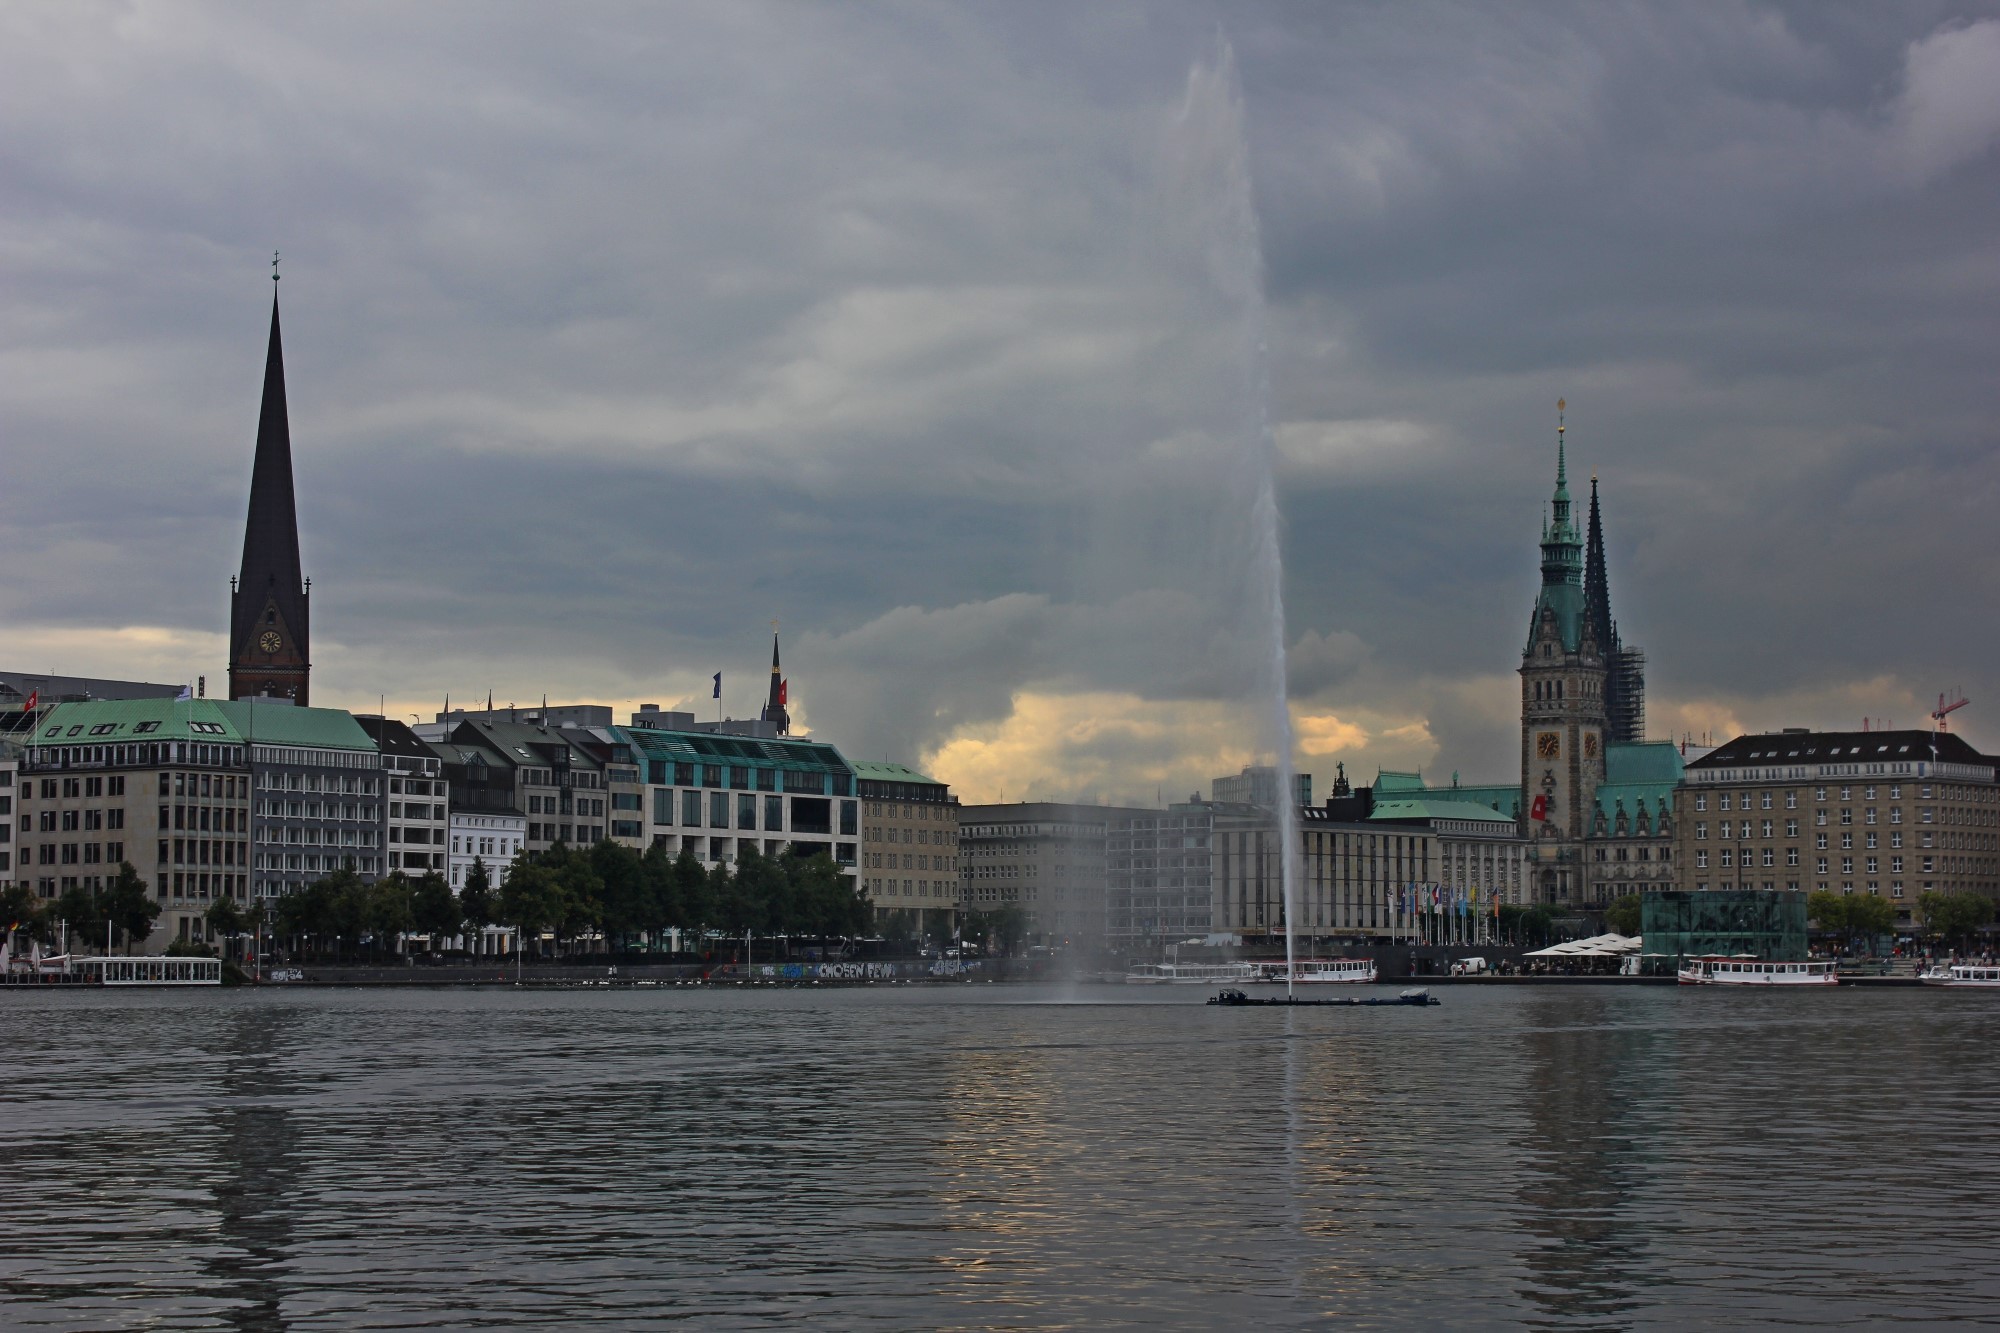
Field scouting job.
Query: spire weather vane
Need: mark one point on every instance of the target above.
(274, 266)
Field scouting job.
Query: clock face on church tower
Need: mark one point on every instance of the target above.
(270, 642)
(1548, 745)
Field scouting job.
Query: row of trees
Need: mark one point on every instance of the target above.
(122, 912)
(606, 893)
(1952, 917)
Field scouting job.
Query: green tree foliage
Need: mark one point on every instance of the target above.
(1530, 927)
(21, 910)
(224, 917)
(130, 905)
(693, 899)
(475, 900)
(433, 911)
(1955, 917)
(624, 902)
(385, 909)
(1623, 916)
(1828, 909)
(530, 900)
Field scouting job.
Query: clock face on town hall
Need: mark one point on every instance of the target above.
(1548, 745)
(270, 642)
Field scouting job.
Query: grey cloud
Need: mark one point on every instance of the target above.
(615, 334)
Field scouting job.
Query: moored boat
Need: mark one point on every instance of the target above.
(1190, 974)
(1973, 976)
(1718, 971)
(1322, 972)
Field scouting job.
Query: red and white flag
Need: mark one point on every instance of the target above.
(784, 692)
(1540, 809)
(34, 697)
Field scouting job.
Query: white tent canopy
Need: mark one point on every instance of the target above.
(1597, 946)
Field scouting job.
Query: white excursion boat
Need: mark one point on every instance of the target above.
(1716, 971)
(1983, 976)
(116, 971)
(1191, 974)
(1323, 971)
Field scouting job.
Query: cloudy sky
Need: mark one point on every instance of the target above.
(616, 332)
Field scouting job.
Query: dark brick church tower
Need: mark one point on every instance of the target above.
(270, 630)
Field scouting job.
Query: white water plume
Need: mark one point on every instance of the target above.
(1209, 174)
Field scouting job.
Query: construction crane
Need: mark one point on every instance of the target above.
(1939, 713)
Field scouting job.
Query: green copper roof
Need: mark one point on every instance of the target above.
(869, 771)
(1433, 807)
(1387, 782)
(264, 723)
(1645, 761)
(115, 721)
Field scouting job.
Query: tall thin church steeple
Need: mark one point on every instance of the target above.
(269, 622)
(1596, 584)
(776, 710)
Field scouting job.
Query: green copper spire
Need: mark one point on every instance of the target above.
(1562, 550)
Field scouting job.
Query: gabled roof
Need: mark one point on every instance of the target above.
(1839, 747)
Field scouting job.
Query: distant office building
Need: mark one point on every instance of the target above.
(318, 794)
(717, 795)
(419, 807)
(559, 783)
(1258, 786)
(1895, 814)
(270, 629)
(533, 715)
(9, 775)
(1046, 858)
(162, 784)
(486, 821)
(909, 845)
(1158, 868)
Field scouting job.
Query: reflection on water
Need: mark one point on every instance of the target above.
(972, 1157)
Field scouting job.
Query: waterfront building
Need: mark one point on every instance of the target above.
(1594, 797)
(9, 775)
(1158, 875)
(1895, 814)
(1734, 923)
(486, 823)
(418, 821)
(909, 845)
(1046, 858)
(270, 628)
(317, 800)
(161, 784)
(718, 795)
(558, 781)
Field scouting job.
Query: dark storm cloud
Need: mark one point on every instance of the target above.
(615, 333)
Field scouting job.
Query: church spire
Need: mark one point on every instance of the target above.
(269, 638)
(775, 709)
(1596, 584)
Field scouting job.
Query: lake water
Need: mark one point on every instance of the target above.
(986, 1156)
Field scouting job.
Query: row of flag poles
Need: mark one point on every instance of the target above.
(1446, 900)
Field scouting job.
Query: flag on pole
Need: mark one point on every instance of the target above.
(34, 697)
(718, 686)
(784, 692)
(187, 692)
(1540, 809)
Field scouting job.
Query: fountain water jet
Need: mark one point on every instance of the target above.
(1213, 147)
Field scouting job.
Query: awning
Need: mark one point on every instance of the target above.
(1597, 946)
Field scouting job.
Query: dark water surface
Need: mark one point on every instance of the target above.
(992, 1156)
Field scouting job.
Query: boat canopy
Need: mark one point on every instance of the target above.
(1597, 946)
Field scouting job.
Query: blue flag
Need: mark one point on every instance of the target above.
(718, 686)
